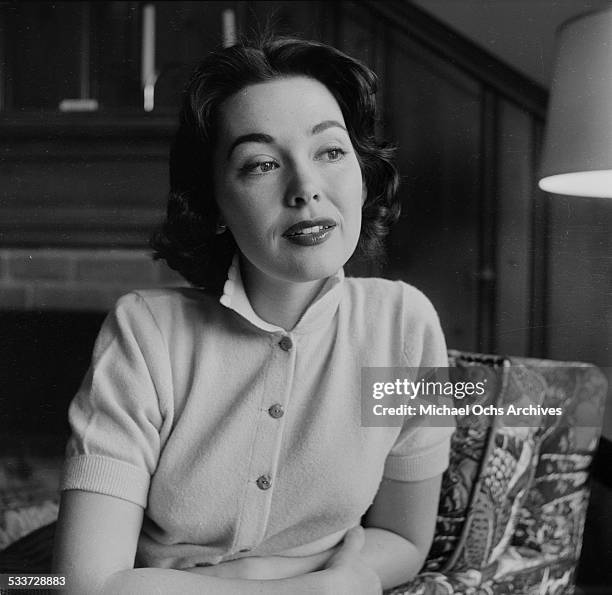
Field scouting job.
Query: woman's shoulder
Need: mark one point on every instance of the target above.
(400, 315)
(382, 294)
(163, 298)
(164, 306)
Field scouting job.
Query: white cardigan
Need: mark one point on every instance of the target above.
(239, 438)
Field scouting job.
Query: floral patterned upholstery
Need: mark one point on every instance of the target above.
(514, 498)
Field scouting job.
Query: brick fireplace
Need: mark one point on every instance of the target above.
(52, 303)
(87, 280)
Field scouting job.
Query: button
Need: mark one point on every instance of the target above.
(285, 343)
(264, 482)
(276, 411)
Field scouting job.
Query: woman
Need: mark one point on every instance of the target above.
(217, 441)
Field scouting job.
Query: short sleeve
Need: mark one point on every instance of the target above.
(422, 448)
(116, 416)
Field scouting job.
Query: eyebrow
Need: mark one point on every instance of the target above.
(325, 125)
(260, 137)
(253, 137)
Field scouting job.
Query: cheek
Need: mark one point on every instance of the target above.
(231, 202)
(353, 193)
(247, 218)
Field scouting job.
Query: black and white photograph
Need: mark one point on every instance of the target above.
(306, 297)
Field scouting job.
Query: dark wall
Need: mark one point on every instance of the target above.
(43, 358)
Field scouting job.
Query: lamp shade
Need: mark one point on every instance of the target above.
(577, 157)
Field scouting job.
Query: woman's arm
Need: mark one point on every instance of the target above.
(399, 530)
(95, 548)
(400, 527)
(268, 567)
(96, 536)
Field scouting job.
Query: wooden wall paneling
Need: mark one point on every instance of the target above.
(540, 234)
(85, 183)
(37, 31)
(357, 35)
(515, 250)
(116, 30)
(362, 33)
(580, 274)
(363, 36)
(302, 18)
(187, 31)
(487, 222)
(436, 37)
(381, 57)
(110, 227)
(434, 116)
(329, 21)
(74, 180)
(4, 62)
(84, 51)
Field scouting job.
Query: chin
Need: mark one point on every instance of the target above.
(320, 266)
(307, 264)
(303, 272)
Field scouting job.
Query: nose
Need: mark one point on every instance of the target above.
(303, 186)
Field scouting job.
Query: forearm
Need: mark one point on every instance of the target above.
(395, 559)
(267, 567)
(149, 581)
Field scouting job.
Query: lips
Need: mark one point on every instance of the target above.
(309, 227)
(310, 232)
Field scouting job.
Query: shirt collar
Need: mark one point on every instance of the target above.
(319, 313)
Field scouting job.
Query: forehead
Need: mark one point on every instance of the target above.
(278, 106)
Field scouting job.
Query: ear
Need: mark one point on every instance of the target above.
(364, 193)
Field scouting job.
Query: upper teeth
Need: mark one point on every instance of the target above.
(306, 230)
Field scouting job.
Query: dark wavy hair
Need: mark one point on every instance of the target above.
(187, 239)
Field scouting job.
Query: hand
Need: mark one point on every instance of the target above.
(350, 574)
(253, 568)
(266, 567)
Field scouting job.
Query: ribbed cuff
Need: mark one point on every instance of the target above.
(95, 473)
(428, 464)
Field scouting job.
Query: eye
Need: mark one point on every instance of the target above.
(258, 168)
(332, 154)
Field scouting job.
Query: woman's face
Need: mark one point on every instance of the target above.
(287, 180)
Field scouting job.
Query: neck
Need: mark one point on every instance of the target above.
(277, 301)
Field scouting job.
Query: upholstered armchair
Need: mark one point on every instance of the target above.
(513, 501)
